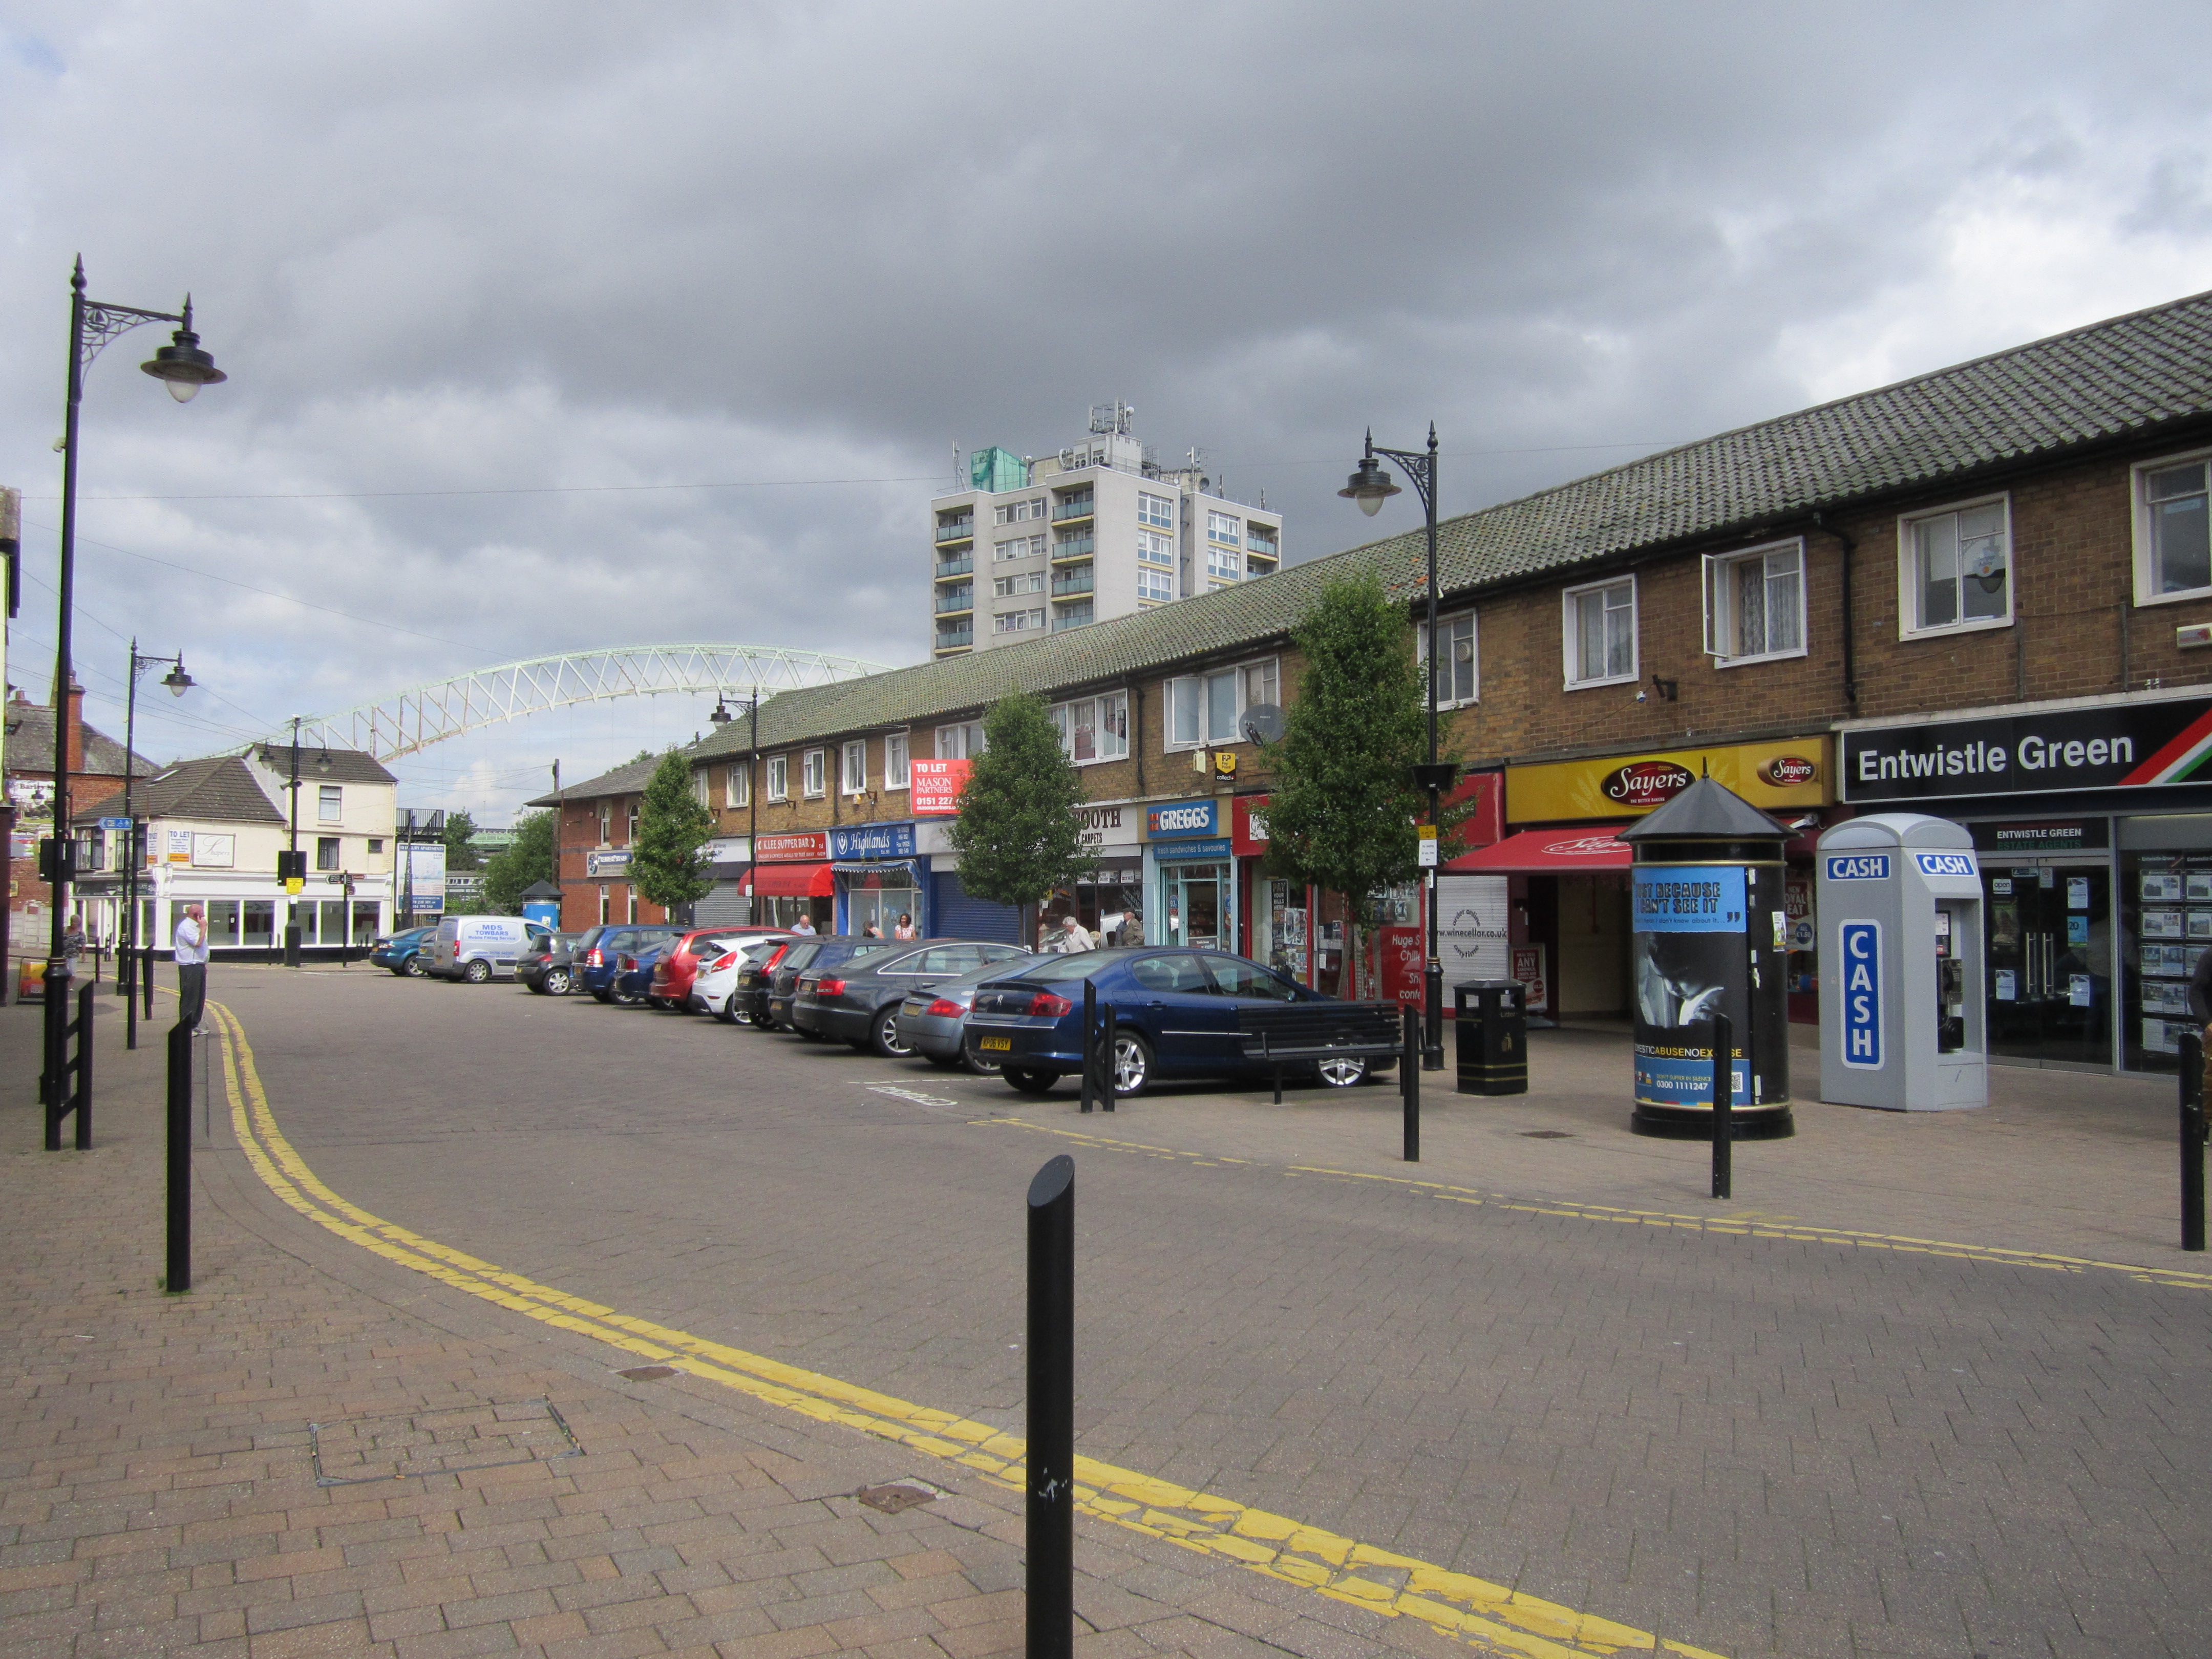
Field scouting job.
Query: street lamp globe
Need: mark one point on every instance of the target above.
(1369, 485)
(182, 366)
(721, 716)
(177, 680)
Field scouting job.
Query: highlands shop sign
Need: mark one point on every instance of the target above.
(2114, 746)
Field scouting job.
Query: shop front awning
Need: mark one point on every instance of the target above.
(1549, 853)
(793, 881)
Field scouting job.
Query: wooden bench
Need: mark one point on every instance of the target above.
(1298, 1033)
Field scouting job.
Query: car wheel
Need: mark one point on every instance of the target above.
(761, 1022)
(974, 1064)
(629, 999)
(397, 972)
(727, 1013)
(1132, 1064)
(1028, 1082)
(603, 996)
(885, 1039)
(478, 972)
(554, 982)
(1341, 1073)
(416, 967)
(944, 1062)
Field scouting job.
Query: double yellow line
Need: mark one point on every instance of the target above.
(1491, 1618)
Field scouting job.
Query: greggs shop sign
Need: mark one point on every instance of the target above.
(1794, 772)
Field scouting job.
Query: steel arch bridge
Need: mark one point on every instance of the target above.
(411, 720)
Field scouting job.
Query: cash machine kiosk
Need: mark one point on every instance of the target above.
(1898, 898)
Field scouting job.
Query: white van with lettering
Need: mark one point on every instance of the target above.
(476, 949)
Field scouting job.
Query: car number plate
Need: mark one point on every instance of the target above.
(996, 1044)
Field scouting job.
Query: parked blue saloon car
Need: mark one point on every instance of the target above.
(1175, 1016)
(402, 953)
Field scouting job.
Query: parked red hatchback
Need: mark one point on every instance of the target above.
(679, 964)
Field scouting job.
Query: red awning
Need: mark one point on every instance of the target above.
(792, 881)
(1551, 852)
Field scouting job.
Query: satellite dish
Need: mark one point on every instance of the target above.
(1262, 723)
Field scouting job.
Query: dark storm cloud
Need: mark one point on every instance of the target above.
(481, 247)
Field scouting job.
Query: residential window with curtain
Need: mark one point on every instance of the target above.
(330, 807)
(1600, 633)
(1454, 659)
(895, 761)
(854, 769)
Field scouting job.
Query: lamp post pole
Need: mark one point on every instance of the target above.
(1370, 487)
(293, 881)
(185, 368)
(128, 967)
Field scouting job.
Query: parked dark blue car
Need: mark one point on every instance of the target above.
(596, 971)
(402, 953)
(1175, 1016)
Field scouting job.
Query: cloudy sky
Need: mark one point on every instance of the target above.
(559, 325)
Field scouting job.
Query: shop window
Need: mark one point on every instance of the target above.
(1457, 678)
(1601, 634)
(1755, 604)
(1955, 569)
(256, 922)
(2173, 539)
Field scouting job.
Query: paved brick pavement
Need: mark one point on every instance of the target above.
(158, 1493)
(1764, 1445)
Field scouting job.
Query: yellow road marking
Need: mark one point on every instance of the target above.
(1491, 1618)
(1754, 1224)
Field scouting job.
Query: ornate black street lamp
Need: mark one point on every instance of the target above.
(183, 369)
(1370, 485)
(128, 967)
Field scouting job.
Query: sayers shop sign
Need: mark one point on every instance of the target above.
(2116, 746)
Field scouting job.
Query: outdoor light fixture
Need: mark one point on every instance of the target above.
(721, 716)
(182, 366)
(1369, 484)
(323, 762)
(177, 680)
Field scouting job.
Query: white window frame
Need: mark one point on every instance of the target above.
(1106, 707)
(814, 774)
(1717, 572)
(1014, 587)
(897, 761)
(779, 777)
(1908, 583)
(1154, 575)
(1018, 547)
(1154, 548)
(606, 823)
(1018, 622)
(738, 786)
(1239, 675)
(851, 778)
(1571, 636)
(1224, 528)
(700, 787)
(1447, 624)
(2147, 591)
(960, 741)
(330, 803)
(1158, 511)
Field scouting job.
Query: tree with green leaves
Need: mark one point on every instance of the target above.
(523, 862)
(1017, 835)
(1342, 808)
(459, 831)
(672, 825)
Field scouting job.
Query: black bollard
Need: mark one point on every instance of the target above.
(2193, 1141)
(180, 1158)
(1409, 1083)
(1106, 1055)
(1724, 1107)
(1049, 1510)
(146, 982)
(1090, 1042)
(83, 1068)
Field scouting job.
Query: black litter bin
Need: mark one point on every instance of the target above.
(1494, 1036)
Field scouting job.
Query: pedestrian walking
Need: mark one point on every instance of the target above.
(1074, 938)
(191, 951)
(73, 940)
(804, 926)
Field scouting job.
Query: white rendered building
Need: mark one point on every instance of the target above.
(1044, 544)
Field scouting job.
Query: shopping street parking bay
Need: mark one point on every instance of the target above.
(1931, 1385)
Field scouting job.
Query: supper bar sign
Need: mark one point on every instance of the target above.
(2113, 746)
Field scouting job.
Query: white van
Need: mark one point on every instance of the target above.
(475, 948)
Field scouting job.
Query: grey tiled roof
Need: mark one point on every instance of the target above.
(220, 789)
(2110, 379)
(628, 779)
(346, 765)
(30, 745)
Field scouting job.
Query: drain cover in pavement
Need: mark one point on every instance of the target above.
(647, 1373)
(1546, 1134)
(490, 1435)
(893, 1498)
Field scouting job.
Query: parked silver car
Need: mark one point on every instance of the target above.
(930, 1021)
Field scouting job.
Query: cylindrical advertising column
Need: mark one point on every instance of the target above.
(1710, 937)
